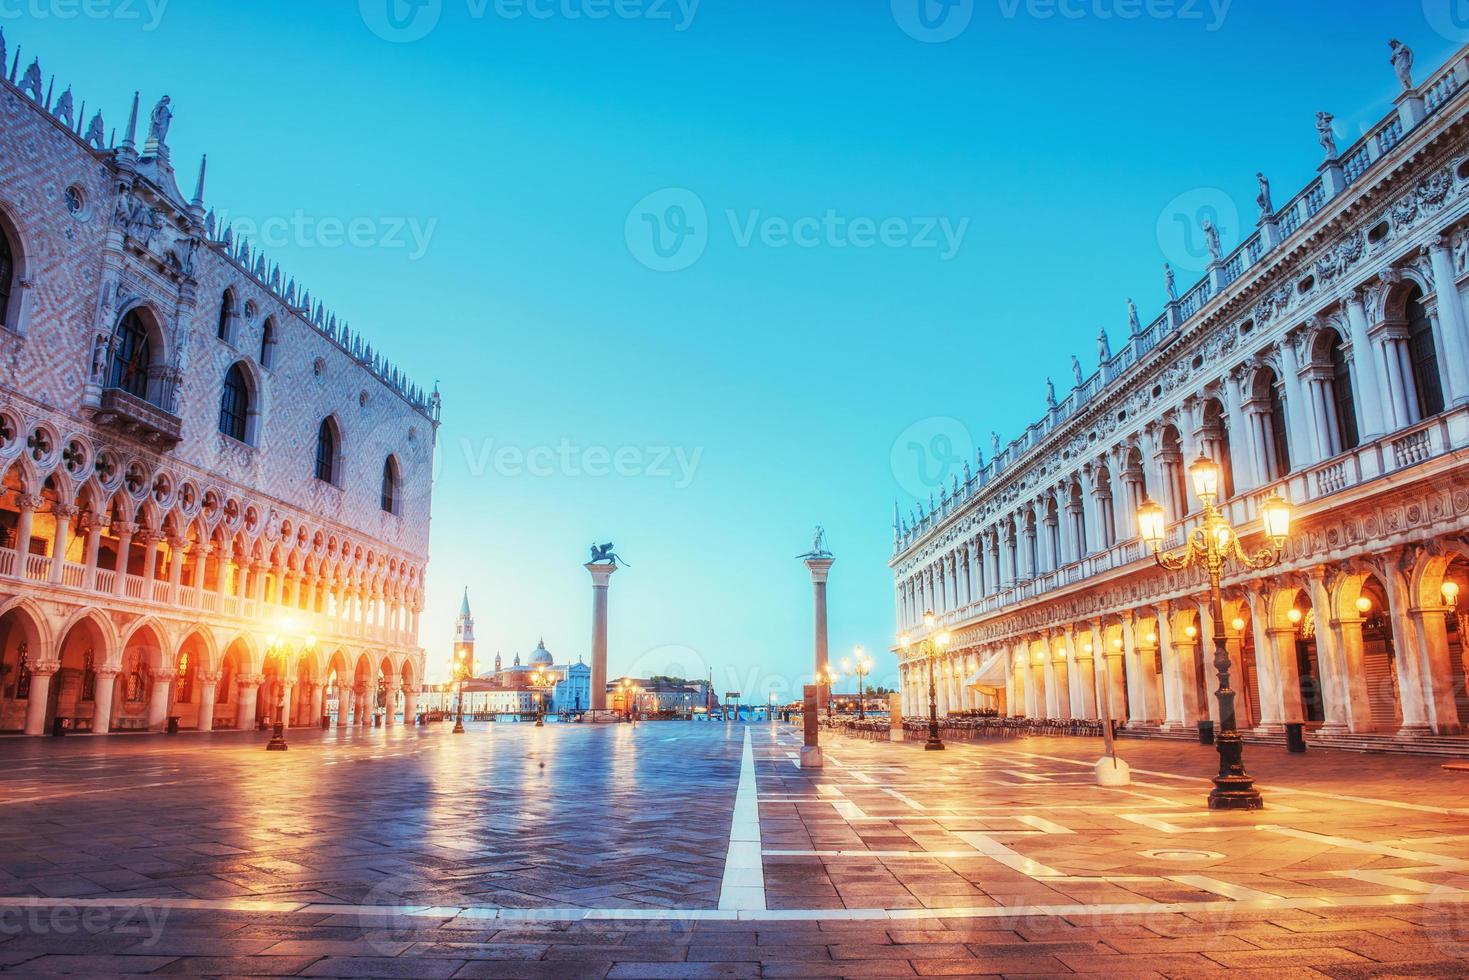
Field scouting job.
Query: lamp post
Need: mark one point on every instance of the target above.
(536, 680)
(282, 647)
(929, 646)
(860, 664)
(461, 674)
(1211, 545)
(829, 678)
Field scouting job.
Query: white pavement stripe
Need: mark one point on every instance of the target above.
(1237, 892)
(315, 911)
(743, 887)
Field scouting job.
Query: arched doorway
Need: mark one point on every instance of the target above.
(136, 696)
(74, 689)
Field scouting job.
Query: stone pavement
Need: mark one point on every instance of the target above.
(607, 851)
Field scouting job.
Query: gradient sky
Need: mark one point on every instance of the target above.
(1066, 147)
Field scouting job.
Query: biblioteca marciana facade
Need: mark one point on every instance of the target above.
(215, 495)
(1326, 359)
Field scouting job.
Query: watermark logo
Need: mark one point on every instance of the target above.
(1210, 13)
(401, 21)
(930, 454)
(39, 918)
(147, 13)
(1183, 223)
(302, 230)
(1448, 18)
(668, 230)
(677, 465)
(933, 21)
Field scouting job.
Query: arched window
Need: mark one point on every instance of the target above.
(1268, 414)
(1341, 395)
(234, 404)
(1423, 354)
(390, 485)
(132, 356)
(267, 344)
(7, 274)
(326, 452)
(226, 315)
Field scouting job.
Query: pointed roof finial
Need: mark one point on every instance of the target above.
(199, 187)
(130, 135)
(464, 605)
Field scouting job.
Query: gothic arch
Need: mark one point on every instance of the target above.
(12, 292)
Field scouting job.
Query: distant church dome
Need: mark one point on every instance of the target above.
(541, 657)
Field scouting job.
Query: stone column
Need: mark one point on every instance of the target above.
(1366, 372)
(318, 703)
(344, 705)
(125, 532)
(1287, 673)
(176, 545)
(41, 673)
(1300, 441)
(89, 559)
(1433, 640)
(102, 709)
(1082, 670)
(1452, 331)
(393, 691)
(1267, 668)
(150, 539)
(820, 569)
(410, 705)
(158, 701)
(63, 513)
(249, 688)
(29, 503)
(1348, 633)
(1335, 685)
(601, 575)
(208, 685)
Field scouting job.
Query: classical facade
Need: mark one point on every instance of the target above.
(1325, 359)
(215, 496)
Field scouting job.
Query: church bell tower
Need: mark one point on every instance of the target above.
(464, 634)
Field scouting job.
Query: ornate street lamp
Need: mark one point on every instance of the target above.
(860, 664)
(283, 648)
(536, 680)
(461, 674)
(929, 646)
(1210, 545)
(829, 678)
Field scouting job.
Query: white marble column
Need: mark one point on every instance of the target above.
(102, 699)
(159, 699)
(1366, 372)
(208, 685)
(1453, 333)
(42, 672)
(820, 569)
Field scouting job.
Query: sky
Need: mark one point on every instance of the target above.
(694, 277)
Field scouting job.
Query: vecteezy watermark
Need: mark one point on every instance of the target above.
(149, 13)
(669, 230)
(45, 919)
(930, 454)
(1184, 222)
(303, 230)
(1210, 13)
(677, 464)
(405, 21)
(933, 21)
(1448, 18)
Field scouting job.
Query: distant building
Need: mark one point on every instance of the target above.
(517, 689)
(657, 695)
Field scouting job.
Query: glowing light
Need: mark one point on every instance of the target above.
(1294, 616)
(1190, 632)
(1364, 604)
(1238, 624)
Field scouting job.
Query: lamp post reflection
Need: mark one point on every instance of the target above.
(461, 674)
(929, 646)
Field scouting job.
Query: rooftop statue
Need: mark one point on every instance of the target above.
(1132, 321)
(1402, 63)
(1324, 133)
(159, 122)
(1076, 370)
(1104, 347)
(1169, 282)
(603, 554)
(1263, 198)
(1211, 237)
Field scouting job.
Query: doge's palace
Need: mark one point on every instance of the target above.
(1326, 359)
(216, 495)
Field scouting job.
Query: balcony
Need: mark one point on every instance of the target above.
(138, 419)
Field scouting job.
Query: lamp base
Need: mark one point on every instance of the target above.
(277, 741)
(933, 745)
(458, 728)
(1235, 793)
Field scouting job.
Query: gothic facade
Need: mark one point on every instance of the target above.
(215, 497)
(1325, 359)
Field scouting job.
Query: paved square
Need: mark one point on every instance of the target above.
(682, 850)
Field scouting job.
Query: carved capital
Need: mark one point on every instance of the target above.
(29, 501)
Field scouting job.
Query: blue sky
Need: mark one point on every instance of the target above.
(752, 376)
